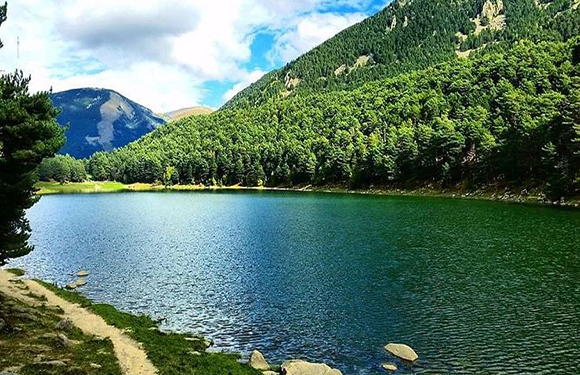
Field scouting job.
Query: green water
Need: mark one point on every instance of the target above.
(474, 287)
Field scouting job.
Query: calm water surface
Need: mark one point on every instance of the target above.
(474, 287)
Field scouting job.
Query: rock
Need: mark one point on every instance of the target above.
(8, 373)
(402, 351)
(390, 366)
(25, 316)
(63, 340)
(207, 343)
(2, 324)
(59, 339)
(65, 325)
(18, 309)
(53, 363)
(194, 352)
(297, 367)
(82, 273)
(258, 361)
(269, 373)
(95, 365)
(81, 282)
(71, 286)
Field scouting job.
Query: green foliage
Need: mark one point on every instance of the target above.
(482, 121)
(28, 134)
(407, 36)
(169, 352)
(15, 271)
(62, 168)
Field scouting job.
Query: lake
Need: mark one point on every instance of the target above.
(472, 286)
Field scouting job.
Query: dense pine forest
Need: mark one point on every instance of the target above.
(410, 35)
(425, 93)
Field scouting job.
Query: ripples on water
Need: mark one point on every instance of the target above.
(474, 287)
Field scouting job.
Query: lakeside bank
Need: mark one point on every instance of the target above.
(524, 196)
(48, 330)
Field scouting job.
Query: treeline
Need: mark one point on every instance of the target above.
(505, 117)
(411, 35)
(62, 168)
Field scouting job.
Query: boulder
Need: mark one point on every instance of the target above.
(71, 286)
(258, 361)
(269, 373)
(402, 351)
(297, 367)
(389, 366)
(65, 325)
(81, 282)
(95, 366)
(82, 273)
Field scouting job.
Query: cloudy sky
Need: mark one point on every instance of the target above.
(167, 54)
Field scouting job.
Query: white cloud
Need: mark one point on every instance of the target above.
(311, 31)
(160, 52)
(251, 78)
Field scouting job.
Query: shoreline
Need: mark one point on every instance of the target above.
(497, 195)
(136, 344)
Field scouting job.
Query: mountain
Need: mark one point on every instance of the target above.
(101, 120)
(471, 93)
(410, 35)
(186, 112)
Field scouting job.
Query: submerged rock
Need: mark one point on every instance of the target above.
(258, 361)
(297, 367)
(402, 351)
(390, 366)
(82, 273)
(81, 282)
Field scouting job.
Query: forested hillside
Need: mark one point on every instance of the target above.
(508, 116)
(410, 35)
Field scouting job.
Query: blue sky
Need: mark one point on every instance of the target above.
(167, 54)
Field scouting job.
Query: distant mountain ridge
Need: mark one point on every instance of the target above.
(186, 112)
(101, 120)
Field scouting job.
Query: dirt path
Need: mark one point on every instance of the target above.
(132, 358)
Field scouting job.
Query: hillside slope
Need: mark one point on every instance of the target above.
(101, 120)
(410, 35)
(508, 118)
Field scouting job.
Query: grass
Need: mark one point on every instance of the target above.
(171, 353)
(28, 339)
(79, 187)
(15, 271)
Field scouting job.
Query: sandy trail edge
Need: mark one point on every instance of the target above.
(132, 358)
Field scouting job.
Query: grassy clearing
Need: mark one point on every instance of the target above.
(171, 353)
(15, 271)
(30, 344)
(79, 187)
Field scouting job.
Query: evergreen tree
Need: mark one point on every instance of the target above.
(28, 134)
